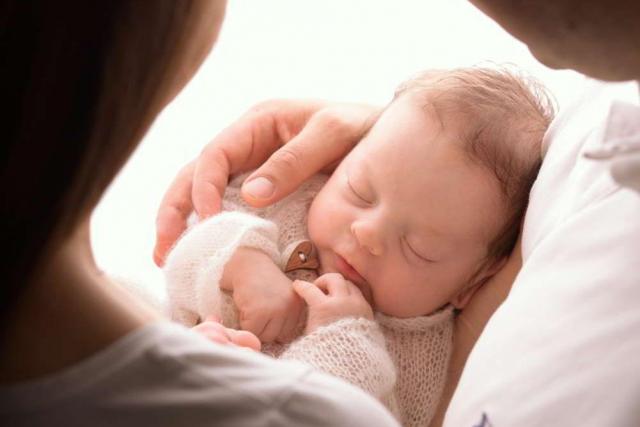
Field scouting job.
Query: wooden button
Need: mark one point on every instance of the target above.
(303, 257)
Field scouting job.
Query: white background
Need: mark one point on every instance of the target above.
(346, 50)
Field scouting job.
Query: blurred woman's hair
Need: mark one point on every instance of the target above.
(82, 82)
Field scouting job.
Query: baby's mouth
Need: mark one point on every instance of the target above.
(351, 274)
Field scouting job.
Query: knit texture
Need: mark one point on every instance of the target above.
(195, 265)
(402, 362)
(420, 348)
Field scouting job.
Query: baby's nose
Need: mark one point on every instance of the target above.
(368, 237)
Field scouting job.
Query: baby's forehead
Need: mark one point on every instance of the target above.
(449, 122)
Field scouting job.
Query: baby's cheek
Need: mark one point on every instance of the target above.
(386, 301)
(322, 224)
(398, 291)
(314, 228)
(315, 213)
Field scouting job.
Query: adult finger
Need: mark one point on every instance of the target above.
(241, 146)
(173, 212)
(245, 145)
(327, 137)
(334, 283)
(309, 292)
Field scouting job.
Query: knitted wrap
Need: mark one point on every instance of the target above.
(194, 267)
(402, 362)
(420, 348)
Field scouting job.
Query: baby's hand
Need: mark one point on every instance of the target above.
(264, 296)
(214, 331)
(331, 298)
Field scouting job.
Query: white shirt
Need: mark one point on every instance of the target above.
(165, 375)
(562, 349)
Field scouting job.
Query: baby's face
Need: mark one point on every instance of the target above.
(406, 216)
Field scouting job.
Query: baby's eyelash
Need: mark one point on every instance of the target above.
(416, 253)
(355, 192)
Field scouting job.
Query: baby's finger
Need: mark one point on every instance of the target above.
(212, 318)
(217, 337)
(287, 333)
(334, 283)
(213, 332)
(354, 289)
(271, 329)
(309, 292)
(253, 324)
(244, 339)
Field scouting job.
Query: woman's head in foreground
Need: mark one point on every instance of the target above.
(84, 81)
(429, 204)
(600, 38)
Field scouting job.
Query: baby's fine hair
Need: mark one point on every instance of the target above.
(506, 115)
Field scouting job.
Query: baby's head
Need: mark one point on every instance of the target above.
(428, 206)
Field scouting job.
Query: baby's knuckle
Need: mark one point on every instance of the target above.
(331, 278)
(335, 276)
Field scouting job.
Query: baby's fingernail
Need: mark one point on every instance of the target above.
(259, 188)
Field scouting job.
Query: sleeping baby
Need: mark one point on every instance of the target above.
(360, 273)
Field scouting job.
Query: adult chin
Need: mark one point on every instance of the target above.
(625, 68)
(597, 38)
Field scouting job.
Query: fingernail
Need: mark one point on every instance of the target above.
(259, 188)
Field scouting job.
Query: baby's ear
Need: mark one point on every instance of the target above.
(464, 296)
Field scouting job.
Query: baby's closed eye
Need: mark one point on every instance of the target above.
(411, 252)
(359, 194)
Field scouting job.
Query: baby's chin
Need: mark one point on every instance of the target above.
(325, 265)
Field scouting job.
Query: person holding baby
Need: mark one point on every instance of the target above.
(84, 83)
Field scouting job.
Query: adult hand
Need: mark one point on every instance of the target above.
(291, 140)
